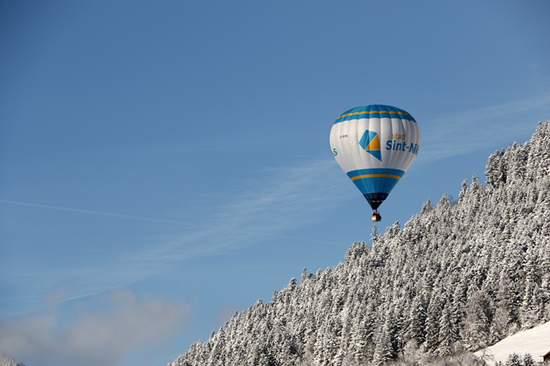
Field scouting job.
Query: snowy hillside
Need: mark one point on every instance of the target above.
(457, 278)
(535, 341)
(6, 360)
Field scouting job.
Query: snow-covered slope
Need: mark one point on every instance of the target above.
(6, 360)
(535, 341)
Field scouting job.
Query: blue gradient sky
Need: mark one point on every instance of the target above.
(174, 155)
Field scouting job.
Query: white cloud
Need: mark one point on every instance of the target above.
(476, 129)
(276, 201)
(104, 330)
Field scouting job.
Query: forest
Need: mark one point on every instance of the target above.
(457, 277)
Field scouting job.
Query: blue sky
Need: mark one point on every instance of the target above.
(165, 164)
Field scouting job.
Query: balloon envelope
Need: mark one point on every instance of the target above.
(375, 145)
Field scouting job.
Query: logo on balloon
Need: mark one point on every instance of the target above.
(370, 142)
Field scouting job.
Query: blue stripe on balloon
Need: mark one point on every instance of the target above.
(375, 185)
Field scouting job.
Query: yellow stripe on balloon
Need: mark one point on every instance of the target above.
(376, 176)
(367, 112)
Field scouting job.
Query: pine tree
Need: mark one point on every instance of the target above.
(479, 314)
(447, 333)
(383, 351)
(513, 360)
(416, 322)
(528, 360)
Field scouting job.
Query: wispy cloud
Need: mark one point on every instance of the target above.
(269, 205)
(89, 212)
(101, 333)
(472, 130)
(275, 202)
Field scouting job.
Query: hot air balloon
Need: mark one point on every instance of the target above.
(375, 145)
